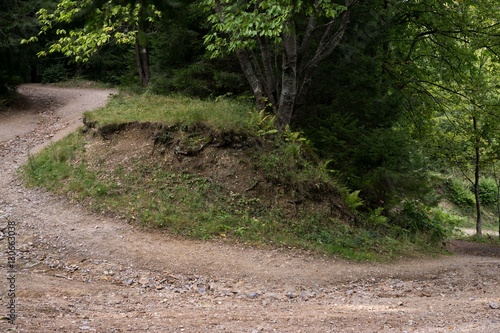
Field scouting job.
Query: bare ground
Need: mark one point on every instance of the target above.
(80, 272)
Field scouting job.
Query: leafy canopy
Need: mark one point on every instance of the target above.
(103, 24)
(238, 24)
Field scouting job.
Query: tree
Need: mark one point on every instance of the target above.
(102, 23)
(449, 52)
(17, 20)
(279, 44)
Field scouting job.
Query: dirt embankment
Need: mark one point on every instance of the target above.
(79, 272)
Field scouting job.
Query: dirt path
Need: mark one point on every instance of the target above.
(78, 272)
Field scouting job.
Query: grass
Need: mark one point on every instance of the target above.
(77, 82)
(225, 115)
(147, 192)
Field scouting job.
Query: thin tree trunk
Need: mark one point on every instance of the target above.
(476, 182)
(141, 58)
(141, 51)
(497, 182)
(498, 208)
(307, 39)
(252, 78)
(289, 76)
(268, 97)
(145, 66)
(270, 81)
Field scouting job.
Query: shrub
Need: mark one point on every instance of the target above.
(416, 218)
(54, 73)
(460, 193)
(488, 191)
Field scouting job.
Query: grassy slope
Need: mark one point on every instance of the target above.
(287, 200)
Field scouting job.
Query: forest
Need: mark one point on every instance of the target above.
(400, 99)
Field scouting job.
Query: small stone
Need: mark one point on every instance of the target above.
(84, 328)
(253, 295)
(143, 280)
(273, 296)
(494, 305)
(306, 295)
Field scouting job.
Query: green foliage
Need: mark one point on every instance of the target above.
(201, 79)
(16, 22)
(192, 80)
(385, 164)
(116, 23)
(460, 192)
(236, 25)
(376, 218)
(113, 64)
(488, 191)
(416, 218)
(263, 122)
(353, 200)
(54, 73)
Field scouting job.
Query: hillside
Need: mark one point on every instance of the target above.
(216, 170)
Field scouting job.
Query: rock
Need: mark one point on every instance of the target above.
(306, 295)
(143, 280)
(253, 295)
(273, 296)
(494, 305)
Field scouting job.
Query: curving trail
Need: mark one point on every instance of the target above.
(79, 272)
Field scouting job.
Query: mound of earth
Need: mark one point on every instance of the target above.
(226, 159)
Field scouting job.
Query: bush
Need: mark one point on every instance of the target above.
(488, 191)
(418, 219)
(200, 79)
(54, 73)
(460, 193)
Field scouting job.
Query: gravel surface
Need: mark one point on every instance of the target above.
(79, 272)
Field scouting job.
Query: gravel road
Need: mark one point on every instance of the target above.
(80, 272)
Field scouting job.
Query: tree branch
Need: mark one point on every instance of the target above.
(329, 41)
